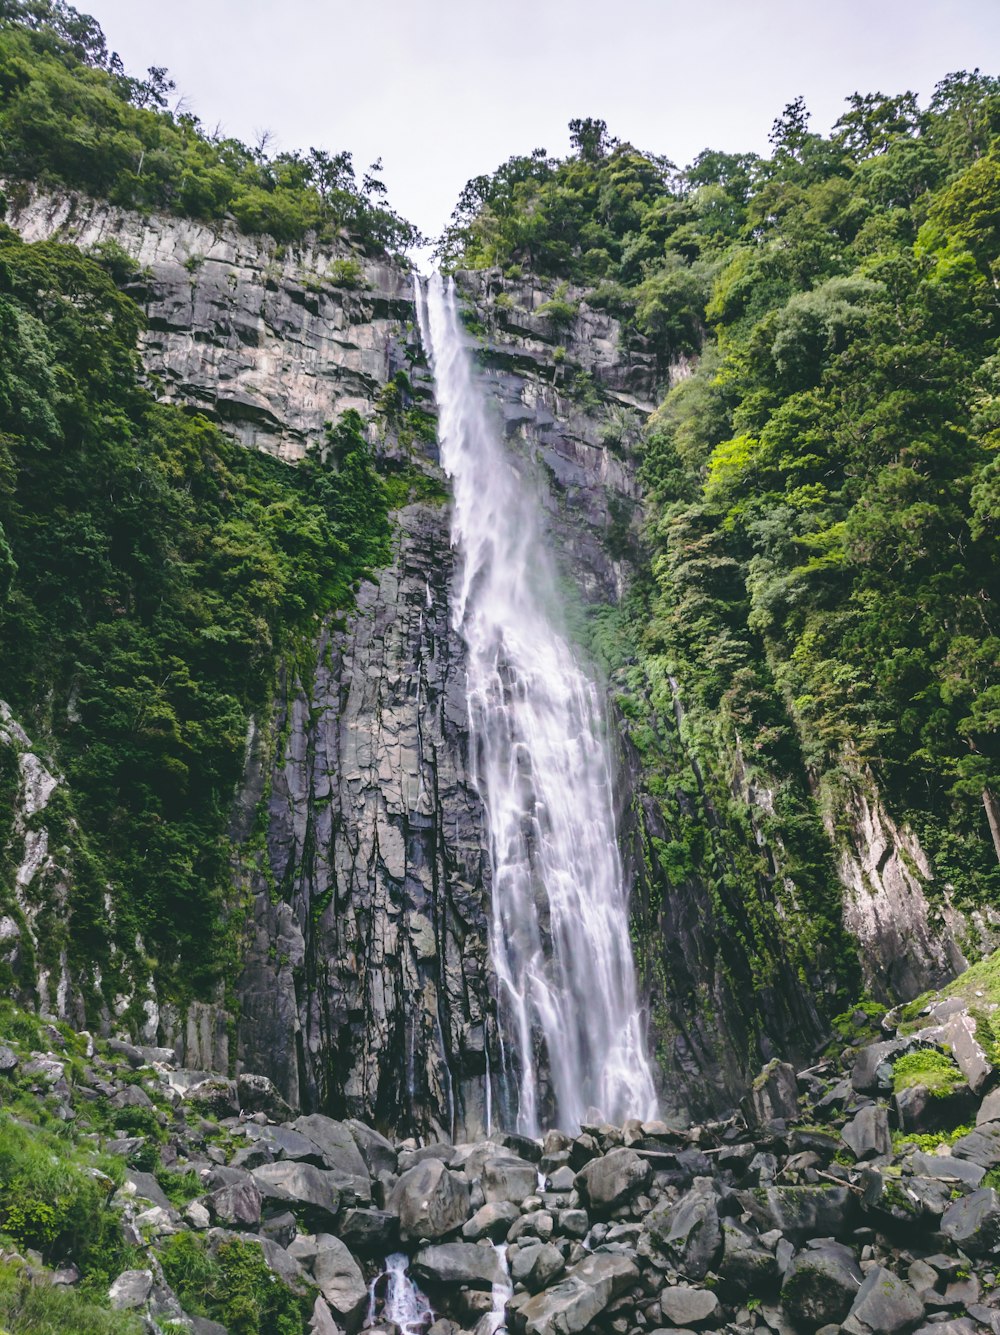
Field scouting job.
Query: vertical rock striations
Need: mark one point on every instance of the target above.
(366, 987)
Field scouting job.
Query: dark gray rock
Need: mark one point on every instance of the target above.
(340, 1154)
(536, 1267)
(960, 1325)
(132, 1096)
(967, 1051)
(302, 1184)
(947, 1168)
(378, 1153)
(369, 1231)
(821, 1285)
(801, 1212)
(509, 1179)
(577, 1300)
(872, 1071)
(867, 1135)
(453, 1263)
(340, 1280)
(430, 1201)
(774, 1095)
(606, 1182)
(236, 1206)
(981, 1146)
(201, 1325)
(687, 1306)
(689, 1232)
(989, 1109)
(885, 1304)
(280, 1228)
(574, 1223)
(973, 1223)
(746, 1268)
(215, 1097)
(492, 1221)
(917, 1109)
(146, 1186)
(322, 1321)
(256, 1093)
(284, 1143)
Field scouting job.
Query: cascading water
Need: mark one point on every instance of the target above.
(402, 1303)
(559, 931)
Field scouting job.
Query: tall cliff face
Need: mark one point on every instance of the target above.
(361, 869)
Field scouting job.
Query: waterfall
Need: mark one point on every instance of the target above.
(403, 1305)
(559, 931)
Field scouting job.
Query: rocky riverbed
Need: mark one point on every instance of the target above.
(858, 1193)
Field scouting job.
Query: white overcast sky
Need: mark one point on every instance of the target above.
(444, 89)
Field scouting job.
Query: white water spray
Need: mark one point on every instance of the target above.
(403, 1305)
(559, 931)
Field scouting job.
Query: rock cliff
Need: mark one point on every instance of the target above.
(361, 870)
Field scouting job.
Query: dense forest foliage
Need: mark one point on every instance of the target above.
(71, 116)
(152, 575)
(823, 477)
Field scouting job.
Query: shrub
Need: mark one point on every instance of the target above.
(932, 1069)
(233, 1285)
(29, 1309)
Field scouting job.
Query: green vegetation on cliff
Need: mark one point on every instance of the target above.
(71, 116)
(823, 490)
(154, 574)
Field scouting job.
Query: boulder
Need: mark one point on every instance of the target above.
(872, 1071)
(492, 1221)
(918, 1110)
(981, 1146)
(322, 1321)
(947, 1168)
(236, 1206)
(774, 1095)
(201, 1325)
(746, 1268)
(146, 1186)
(369, 1231)
(284, 1143)
(973, 1223)
(867, 1135)
(8, 1059)
(278, 1259)
(885, 1304)
(464, 1263)
(577, 1300)
(132, 1096)
(536, 1266)
(509, 1179)
(574, 1223)
(378, 1153)
(967, 1051)
(609, 1181)
(687, 1306)
(215, 1097)
(821, 1285)
(130, 1289)
(689, 1232)
(989, 1109)
(800, 1213)
(430, 1201)
(340, 1280)
(340, 1154)
(256, 1093)
(301, 1184)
